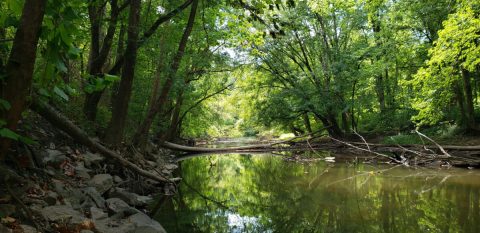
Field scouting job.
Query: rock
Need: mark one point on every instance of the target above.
(63, 214)
(102, 182)
(117, 205)
(82, 172)
(130, 198)
(28, 229)
(73, 197)
(92, 194)
(54, 157)
(51, 198)
(117, 179)
(114, 226)
(144, 224)
(97, 213)
(170, 166)
(91, 159)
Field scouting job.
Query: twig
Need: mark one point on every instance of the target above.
(434, 142)
(363, 139)
(370, 151)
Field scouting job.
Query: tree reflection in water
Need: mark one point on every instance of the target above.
(264, 193)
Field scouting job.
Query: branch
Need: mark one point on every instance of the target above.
(203, 99)
(162, 19)
(61, 122)
(434, 142)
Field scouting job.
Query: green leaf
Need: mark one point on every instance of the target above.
(61, 66)
(111, 78)
(28, 141)
(7, 133)
(60, 93)
(43, 92)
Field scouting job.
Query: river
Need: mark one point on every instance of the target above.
(268, 193)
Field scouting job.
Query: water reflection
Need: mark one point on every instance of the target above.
(264, 193)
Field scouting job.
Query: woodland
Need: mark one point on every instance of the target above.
(125, 77)
(130, 72)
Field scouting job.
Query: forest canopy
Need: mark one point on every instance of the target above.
(130, 71)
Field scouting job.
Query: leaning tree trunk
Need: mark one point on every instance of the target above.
(141, 135)
(115, 130)
(15, 87)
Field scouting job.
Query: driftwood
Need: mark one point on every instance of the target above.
(400, 154)
(61, 122)
(192, 149)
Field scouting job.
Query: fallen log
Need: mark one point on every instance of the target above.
(192, 149)
(61, 122)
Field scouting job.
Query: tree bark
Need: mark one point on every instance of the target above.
(306, 121)
(173, 129)
(116, 127)
(116, 68)
(470, 111)
(15, 87)
(98, 55)
(141, 135)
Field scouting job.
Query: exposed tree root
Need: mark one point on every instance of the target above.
(61, 122)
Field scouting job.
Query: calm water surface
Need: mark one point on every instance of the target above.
(265, 193)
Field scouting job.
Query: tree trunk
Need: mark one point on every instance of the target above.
(15, 87)
(380, 90)
(470, 111)
(141, 135)
(173, 129)
(330, 125)
(119, 54)
(306, 121)
(116, 127)
(98, 55)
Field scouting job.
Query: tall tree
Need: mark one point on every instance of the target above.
(141, 135)
(115, 130)
(17, 81)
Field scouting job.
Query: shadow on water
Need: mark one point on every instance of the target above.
(265, 193)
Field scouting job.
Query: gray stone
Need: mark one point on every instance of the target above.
(92, 194)
(102, 182)
(97, 213)
(130, 198)
(82, 172)
(63, 214)
(54, 157)
(144, 224)
(92, 159)
(117, 179)
(170, 166)
(113, 226)
(117, 205)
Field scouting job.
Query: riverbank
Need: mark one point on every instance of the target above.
(57, 185)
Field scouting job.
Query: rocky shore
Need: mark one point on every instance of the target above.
(64, 189)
